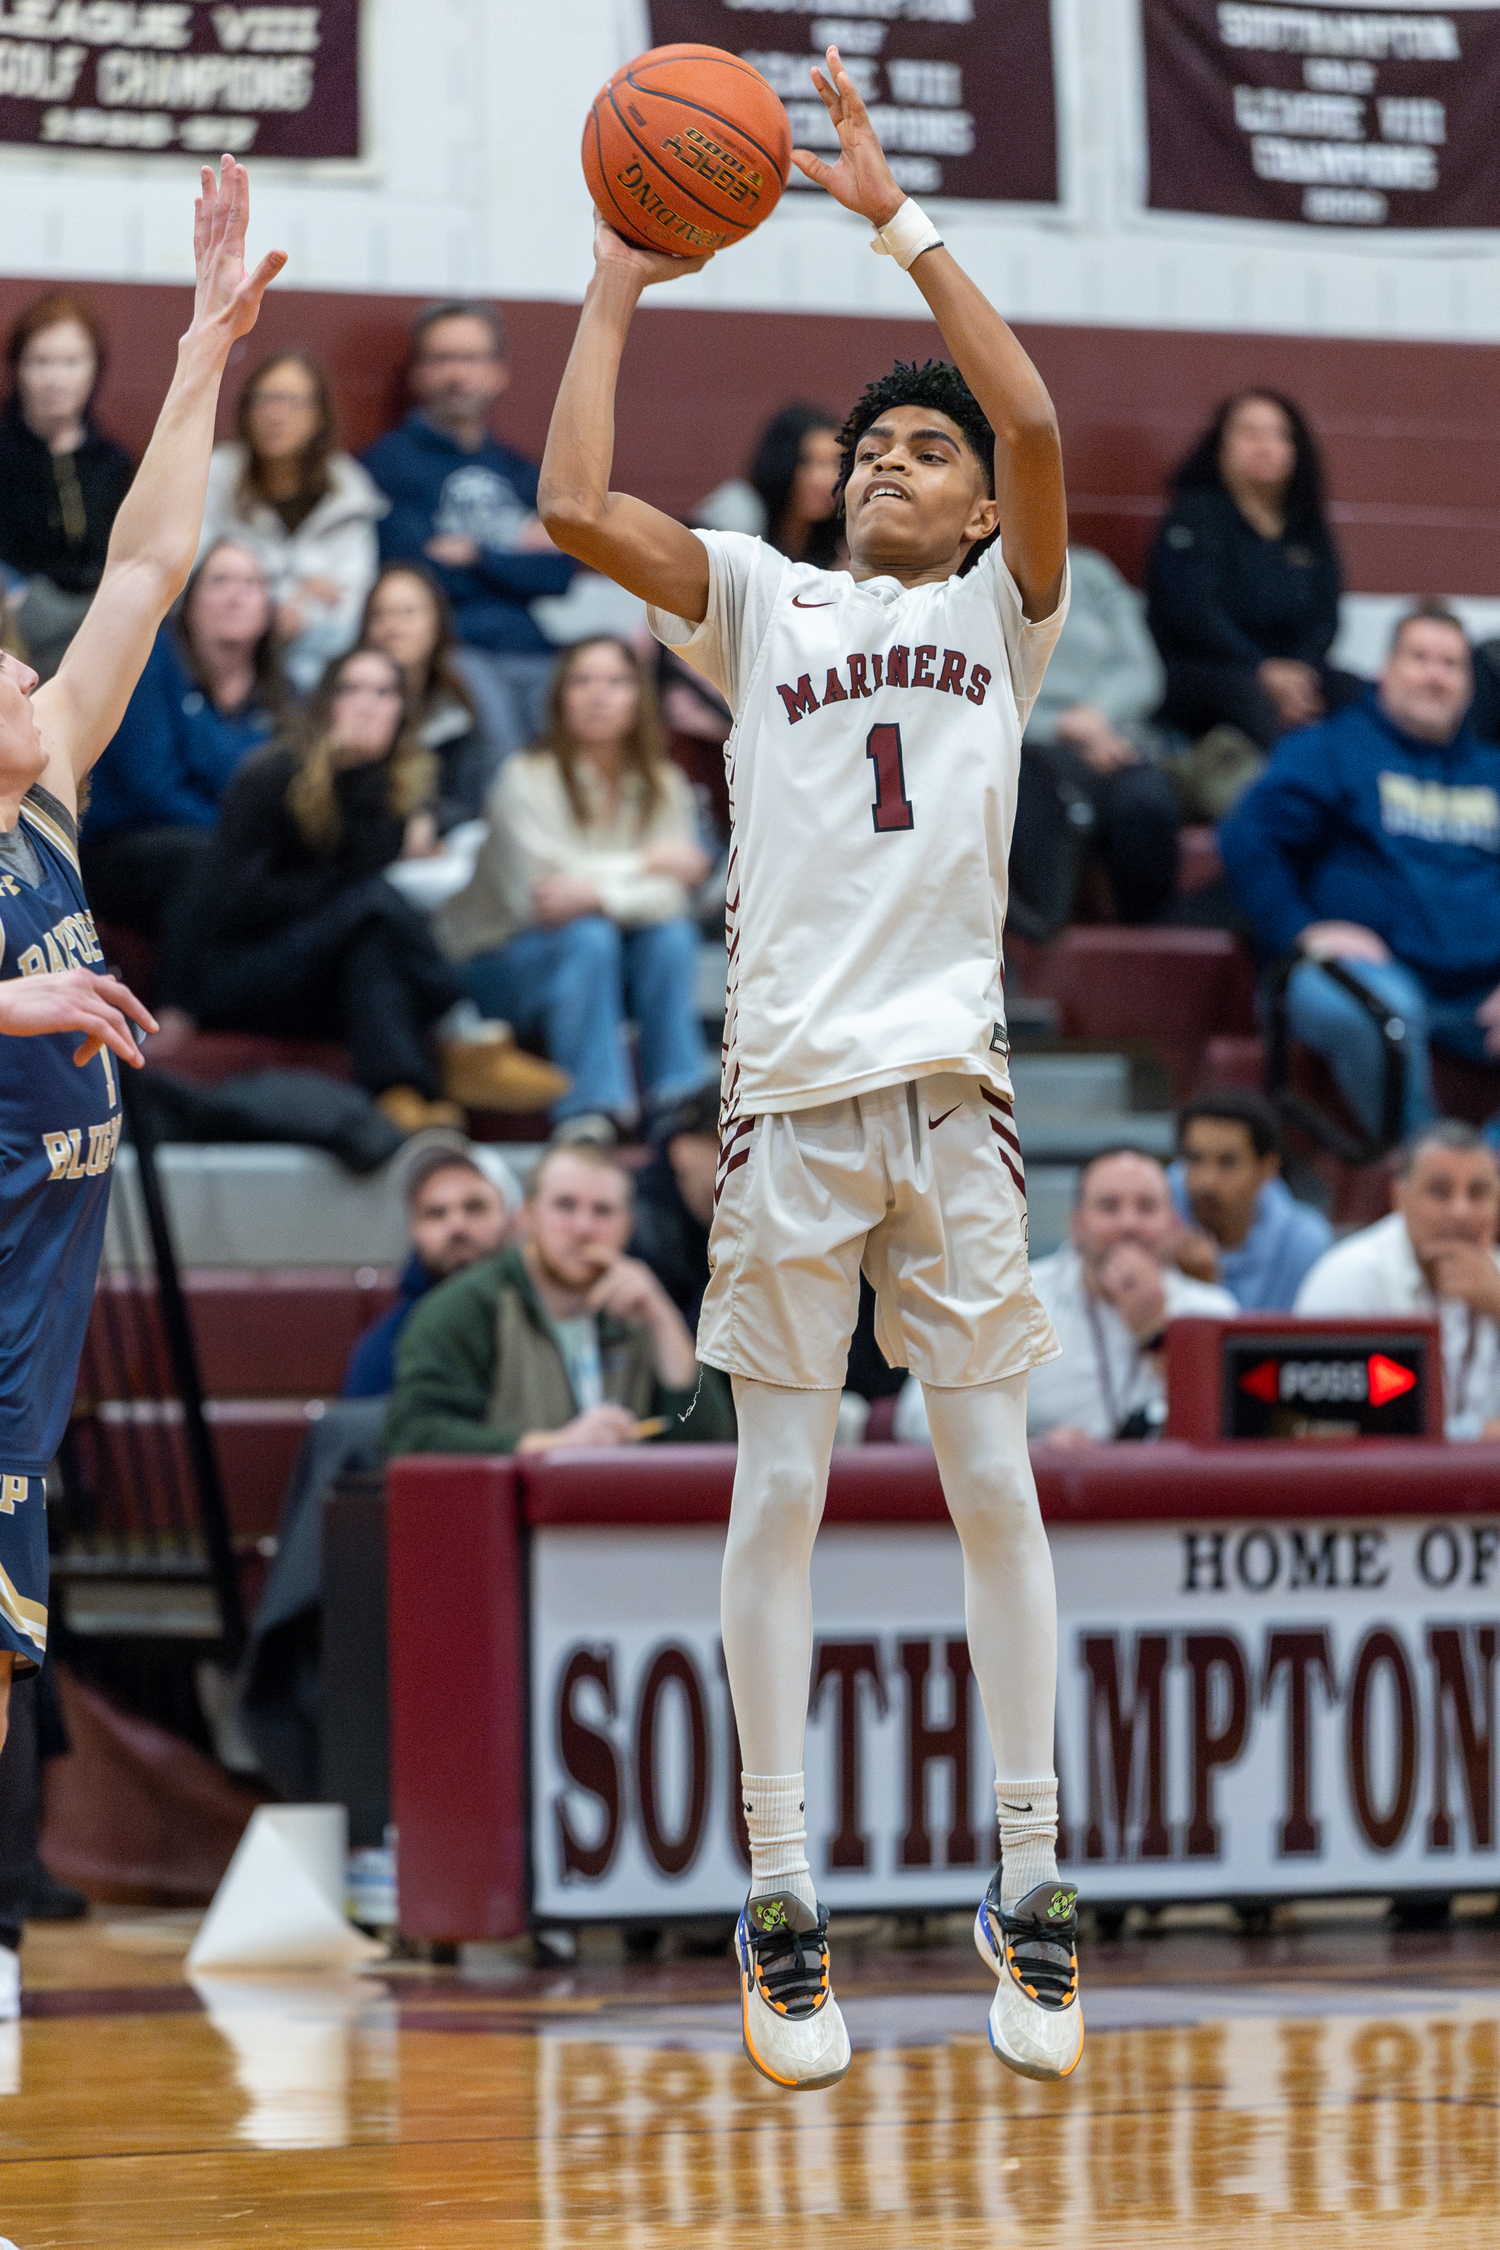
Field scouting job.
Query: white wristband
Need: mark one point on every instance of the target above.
(906, 236)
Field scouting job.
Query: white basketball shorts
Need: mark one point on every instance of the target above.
(921, 1185)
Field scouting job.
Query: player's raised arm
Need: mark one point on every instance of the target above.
(650, 554)
(1028, 455)
(156, 532)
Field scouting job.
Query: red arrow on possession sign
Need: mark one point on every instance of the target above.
(1388, 1380)
(1264, 1381)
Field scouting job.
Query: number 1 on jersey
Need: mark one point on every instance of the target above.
(892, 807)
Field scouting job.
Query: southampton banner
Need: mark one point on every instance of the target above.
(961, 91)
(160, 77)
(1243, 1710)
(1382, 114)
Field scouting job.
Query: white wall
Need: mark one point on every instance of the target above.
(475, 111)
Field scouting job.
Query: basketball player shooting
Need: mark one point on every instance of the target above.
(867, 1114)
(59, 1091)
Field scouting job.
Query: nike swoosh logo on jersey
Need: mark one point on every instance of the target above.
(934, 1122)
(799, 603)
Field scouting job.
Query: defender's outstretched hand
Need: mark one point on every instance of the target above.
(227, 299)
(611, 249)
(862, 179)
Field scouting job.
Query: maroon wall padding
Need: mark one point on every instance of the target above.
(1164, 1483)
(458, 1696)
(1411, 430)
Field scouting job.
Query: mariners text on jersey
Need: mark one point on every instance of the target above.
(59, 1133)
(872, 782)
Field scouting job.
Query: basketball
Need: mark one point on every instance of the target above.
(686, 150)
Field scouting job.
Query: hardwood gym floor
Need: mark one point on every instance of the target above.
(1331, 2084)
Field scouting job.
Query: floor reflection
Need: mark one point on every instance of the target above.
(1250, 2119)
(299, 2045)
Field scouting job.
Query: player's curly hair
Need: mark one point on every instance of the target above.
(934, 384)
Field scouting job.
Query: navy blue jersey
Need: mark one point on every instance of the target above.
(59, 1130)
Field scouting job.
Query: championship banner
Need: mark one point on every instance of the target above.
(960, 91)
(1381, 114)
(1244, 1710)
(160, 77)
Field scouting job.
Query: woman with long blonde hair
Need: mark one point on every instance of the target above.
(578, 914)
(298, 933)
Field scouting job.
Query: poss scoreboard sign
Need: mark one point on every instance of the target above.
(1268, 1376)
(1244, 1709)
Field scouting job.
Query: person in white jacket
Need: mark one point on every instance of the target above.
(309, 511)
(577, 916)
(1435, 1253)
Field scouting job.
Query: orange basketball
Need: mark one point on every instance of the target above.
(686, 149)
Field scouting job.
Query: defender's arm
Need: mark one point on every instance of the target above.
(648, 553)
(155, 536)
(1028, 455)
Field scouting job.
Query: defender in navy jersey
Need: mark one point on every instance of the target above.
(867, 1120)
(68, 1028)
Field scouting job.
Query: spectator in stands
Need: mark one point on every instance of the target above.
(1248, 1230)
(212, 692)
(1244, 579)
(1373, 842)
(282, 488)
(790, 497)
(1436, 1252)
(578, 914)
(408, 616)
(61, 479)
(465, 505)
(460, 1201)
(1087, 776)
(674, 1200)
(1110, 1293)
(296, 933)
(562, 1341)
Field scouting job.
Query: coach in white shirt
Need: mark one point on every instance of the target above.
(1436, 1252)
(1110, 1292)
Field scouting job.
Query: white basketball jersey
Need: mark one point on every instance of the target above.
(872, 784)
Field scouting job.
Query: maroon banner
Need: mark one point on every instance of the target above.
(164, 77)
(1373, 116)
(961, 91)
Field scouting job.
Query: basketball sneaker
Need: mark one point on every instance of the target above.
(1036, 2021)
(794, 2033)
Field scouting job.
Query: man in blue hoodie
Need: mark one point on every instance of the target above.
(463, 507)
(1373, 840)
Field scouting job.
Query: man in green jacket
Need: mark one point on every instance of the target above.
(562, 1341)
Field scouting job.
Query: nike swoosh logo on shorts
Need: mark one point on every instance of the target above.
(934, 1122)
(799, 603)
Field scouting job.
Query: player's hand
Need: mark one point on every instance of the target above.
(226, 303)
(75, 1000)
(611, 249)
(861, 180)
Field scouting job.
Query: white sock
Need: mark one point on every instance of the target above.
(775, 1815)
(1028, 1836)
